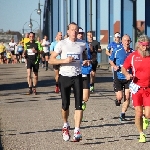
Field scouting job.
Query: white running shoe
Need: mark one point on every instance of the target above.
(66, 135)
(77, 136)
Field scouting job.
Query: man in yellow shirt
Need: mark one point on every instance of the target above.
(2, 50)
(26, 40)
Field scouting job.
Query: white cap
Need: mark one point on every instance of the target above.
(80, 30)
(117, 35)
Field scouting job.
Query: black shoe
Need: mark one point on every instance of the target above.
(30, 92)
(46, 69)
(118, 103)
(122, 117)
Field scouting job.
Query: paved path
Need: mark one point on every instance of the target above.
(29, 122)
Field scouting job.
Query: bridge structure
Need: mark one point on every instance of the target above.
(86, 13)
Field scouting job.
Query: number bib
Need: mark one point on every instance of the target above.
(75, 56)
(134, 87)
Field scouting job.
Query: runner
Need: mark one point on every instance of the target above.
(140, 86)
(85, 71)
(117, 59)
(56, 67)
(39, 41)
(32, 52)
(46, 54)
(94, 48)
(2, 50)
(113, 45)
(71, 51)
(12, 49)
(26, 39)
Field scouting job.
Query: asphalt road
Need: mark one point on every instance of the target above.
(29, 122)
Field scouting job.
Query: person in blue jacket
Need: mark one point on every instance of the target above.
(113, 45)
(117, 59)
(86, 69)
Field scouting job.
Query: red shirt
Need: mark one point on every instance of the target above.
(140, 68)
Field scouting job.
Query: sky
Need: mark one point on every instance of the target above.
(15, 13)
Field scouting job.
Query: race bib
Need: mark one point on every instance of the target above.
(30, 52)
(75, 56)
(133, 87)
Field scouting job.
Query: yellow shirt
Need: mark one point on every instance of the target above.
(8, 55)
(2, 48)
(26, 40)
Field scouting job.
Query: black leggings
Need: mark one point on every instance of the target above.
(65, 84)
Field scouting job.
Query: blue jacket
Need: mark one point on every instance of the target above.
(118, 56)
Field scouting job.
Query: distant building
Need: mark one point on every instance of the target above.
(7, 36)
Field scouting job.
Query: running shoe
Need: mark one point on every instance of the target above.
(34, 91)
(142, 138)
(117, 103)
(56, 89)
(77, 136)
(30, 92)
(92, 89)
(145, 123)
(83, 106)
(65, 133)
(122, 117)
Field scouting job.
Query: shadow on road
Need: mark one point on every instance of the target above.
(24, 85)
(104, 79)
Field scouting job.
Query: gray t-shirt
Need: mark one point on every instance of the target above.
(68, 48)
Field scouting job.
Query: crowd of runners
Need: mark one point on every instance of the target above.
(75, 62)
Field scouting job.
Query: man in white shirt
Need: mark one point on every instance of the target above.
(45, 45)
(12, 49)
(71, 51)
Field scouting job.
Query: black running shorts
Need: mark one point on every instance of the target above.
(86, 82)
(65, 84)
(31, 65)
(119, 84)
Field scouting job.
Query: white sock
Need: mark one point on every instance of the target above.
(76, 129)
(66, 124)
(141, 133)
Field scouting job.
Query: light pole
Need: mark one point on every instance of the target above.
(23, 28)
(39, 13)
(31, 25)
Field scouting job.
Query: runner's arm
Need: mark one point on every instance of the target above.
(108, 50)
(111, 61)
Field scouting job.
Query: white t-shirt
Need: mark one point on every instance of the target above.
(45, 45)
(68, 48)
(12, 46)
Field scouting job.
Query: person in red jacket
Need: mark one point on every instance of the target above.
(140, 86)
